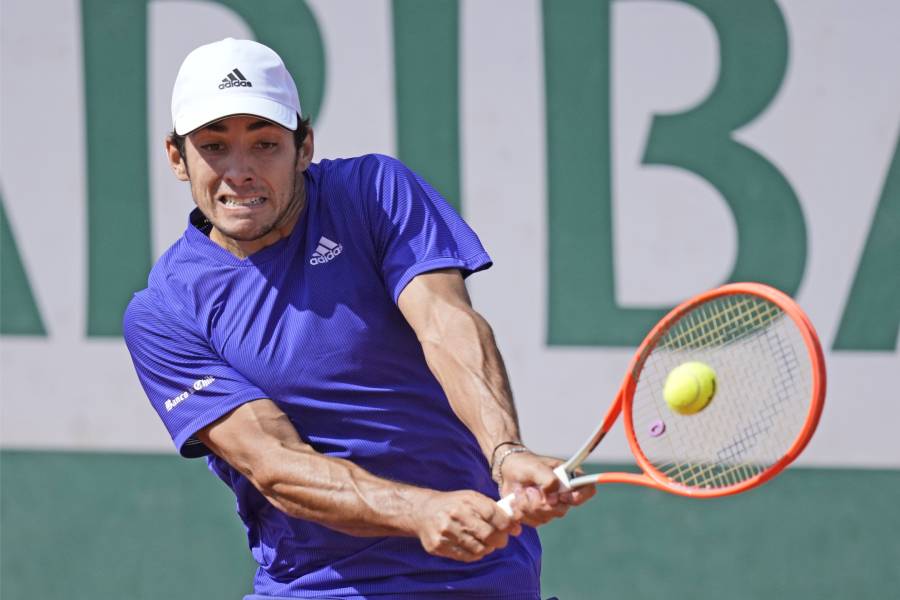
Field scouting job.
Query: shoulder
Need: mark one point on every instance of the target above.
(168, 293)
(368, 168)
(364, 186)
(154, 326)
(144, 316)
(175, 273)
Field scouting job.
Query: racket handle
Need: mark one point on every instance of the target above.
(505, 504)
(562, 473)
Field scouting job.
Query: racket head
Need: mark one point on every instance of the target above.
(770, 392)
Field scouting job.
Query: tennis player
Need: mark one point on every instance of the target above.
(311, 334)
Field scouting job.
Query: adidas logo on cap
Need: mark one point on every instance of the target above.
(234, 79)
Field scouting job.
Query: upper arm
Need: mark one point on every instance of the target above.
(461, 351)
(414, 230)
(431, 298)
(187, 382)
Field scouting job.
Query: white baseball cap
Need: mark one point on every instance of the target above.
(233, 77)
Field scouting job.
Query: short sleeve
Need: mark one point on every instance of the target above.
(415, 230)
(187, 383)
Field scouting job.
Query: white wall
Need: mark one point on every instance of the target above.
(831, 130)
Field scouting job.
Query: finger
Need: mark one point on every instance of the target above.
(457, 552)
(532, 505)
(516, 530)
(494, 531)
(519, 504)
(472, 545)
(544, 477)
(498, 539)
(552, 462)
(582, 495)
(515, 520)
(496, 518)
(547, 513)
(479, 528)
(578, 496)
(538, 511)
(534, 470)
(471, 528)
(535, 498)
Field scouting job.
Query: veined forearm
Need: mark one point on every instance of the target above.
(259, 440)
(340, 495)
(462, 525)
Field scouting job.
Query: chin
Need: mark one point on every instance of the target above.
(245, 233)
(248, 236)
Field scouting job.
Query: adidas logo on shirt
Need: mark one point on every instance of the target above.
(234, 79)
(325, 251)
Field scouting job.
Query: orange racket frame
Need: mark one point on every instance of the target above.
(651, 477)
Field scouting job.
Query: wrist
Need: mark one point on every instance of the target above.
(410, 521)
(502, 456)
(508, 443)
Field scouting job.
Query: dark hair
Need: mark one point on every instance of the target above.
(299, 137)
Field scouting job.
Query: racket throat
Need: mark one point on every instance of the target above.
(564, 475)
(566, 472)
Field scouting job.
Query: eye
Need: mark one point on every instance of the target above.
(212, 147)
(264, 145)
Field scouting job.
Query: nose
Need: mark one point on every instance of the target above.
(239, 169)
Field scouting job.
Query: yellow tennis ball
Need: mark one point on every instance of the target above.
(689, 387)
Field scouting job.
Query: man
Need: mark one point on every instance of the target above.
(312, 334)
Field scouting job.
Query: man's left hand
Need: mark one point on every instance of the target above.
(539, 494)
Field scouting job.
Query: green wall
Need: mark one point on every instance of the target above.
(97, 526)
(116, 526)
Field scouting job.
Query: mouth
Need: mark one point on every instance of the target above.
(249, 202)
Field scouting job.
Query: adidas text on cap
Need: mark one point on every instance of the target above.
(233, 77)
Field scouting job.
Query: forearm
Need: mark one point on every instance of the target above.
(462, 525)
(340, 495)
(462, 353)
(260, 441)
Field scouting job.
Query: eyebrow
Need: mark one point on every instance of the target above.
(219, 127)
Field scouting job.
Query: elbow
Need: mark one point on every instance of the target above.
(265, 478)
(484, 329)
(274, 485)
(475, 329)
(461, 324)
(265, 473)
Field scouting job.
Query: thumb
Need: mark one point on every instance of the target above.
(540, 472)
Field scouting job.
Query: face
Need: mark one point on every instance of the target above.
(247, 179)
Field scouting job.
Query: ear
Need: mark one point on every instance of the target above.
(305, 155)
(176, 161)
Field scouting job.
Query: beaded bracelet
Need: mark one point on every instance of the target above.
(516, 450)
(500, 445)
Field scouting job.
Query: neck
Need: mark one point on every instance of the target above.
(242, 249)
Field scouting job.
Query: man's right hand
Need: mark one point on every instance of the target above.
(463, 525)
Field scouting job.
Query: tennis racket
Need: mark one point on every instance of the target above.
(770, 390)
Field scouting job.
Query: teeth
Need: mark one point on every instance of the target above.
(251, 202)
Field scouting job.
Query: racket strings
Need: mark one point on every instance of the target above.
(761, 402)
(735, 318)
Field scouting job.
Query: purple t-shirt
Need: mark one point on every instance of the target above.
(311, 322)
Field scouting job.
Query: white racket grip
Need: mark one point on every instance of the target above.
(562, 473)
(505, 503)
